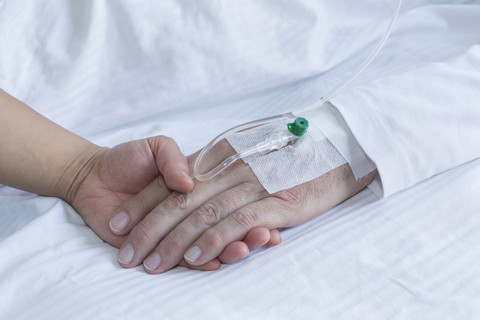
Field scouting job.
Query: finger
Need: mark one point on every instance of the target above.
(167, 215)
(136, 208)
(209, 266)
(275, 237)
(171, 163)
(133, 210)
(257, 237)
(254, 239)
(270, 212)
(285, 208)
(172, 248)
(233, 252)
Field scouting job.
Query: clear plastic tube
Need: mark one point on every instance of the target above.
(261, 147)
(276, 141)
(363, 65)
(279, 140)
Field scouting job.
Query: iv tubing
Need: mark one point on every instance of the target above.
(363, 65)
(227, 162)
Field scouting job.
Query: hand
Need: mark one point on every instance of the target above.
(199, 225)
(118, 174)
(141, 172)
(56, 162)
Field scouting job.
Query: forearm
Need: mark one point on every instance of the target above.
(418, 123)
(38, 155)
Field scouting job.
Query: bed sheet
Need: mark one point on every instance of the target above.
(414, 255)
(411, 256)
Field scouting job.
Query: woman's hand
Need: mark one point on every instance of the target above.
(199, 225)
(118, 174)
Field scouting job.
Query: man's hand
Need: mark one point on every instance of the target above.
(198, 226)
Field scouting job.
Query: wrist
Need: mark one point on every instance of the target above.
(76, 170)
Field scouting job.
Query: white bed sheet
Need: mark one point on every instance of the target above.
(414, 255)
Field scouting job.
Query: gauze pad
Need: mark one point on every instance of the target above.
(309, 157)
(338, 133)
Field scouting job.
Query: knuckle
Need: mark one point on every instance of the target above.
(294, 197)
(180, 200)
(172, 245)
(142, 233)
(159, 142)
(137, 204)
(208, 214)
(252, 186)
(164, 140)
(214, 238)
(245, 218)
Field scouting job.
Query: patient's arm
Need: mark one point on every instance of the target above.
(199, 225)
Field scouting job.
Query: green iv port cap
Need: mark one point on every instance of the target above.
(298, 127)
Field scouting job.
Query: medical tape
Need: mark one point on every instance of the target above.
(310, 157)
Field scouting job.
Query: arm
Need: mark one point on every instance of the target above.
(416, 124)
(412, 125)
(41, 157)
(38, 155)
(202, 224)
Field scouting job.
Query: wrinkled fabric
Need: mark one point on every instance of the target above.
(113, 71)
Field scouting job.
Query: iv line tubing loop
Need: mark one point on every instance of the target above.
(227, 162)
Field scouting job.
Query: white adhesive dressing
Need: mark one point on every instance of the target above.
(331, 123)
(308, 157)
(311, 156)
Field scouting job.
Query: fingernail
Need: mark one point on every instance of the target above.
(186, 176)
(152, 262)
(125, 255)
(192, 254)
(119, 221)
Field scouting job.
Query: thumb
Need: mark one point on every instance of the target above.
(171, 163)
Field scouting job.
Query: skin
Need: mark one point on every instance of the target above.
(217, 221)
(196, 227)
(127, 177)
(40, 156)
